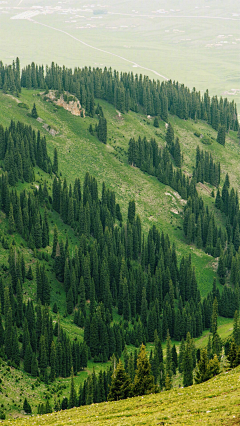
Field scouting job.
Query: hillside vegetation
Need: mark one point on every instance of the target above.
(215, 402)
(104, 247)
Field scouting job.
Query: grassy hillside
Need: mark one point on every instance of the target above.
(156, 203)
(215, 402)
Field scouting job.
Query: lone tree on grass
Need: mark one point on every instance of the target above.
(27, 407)
(34, 111)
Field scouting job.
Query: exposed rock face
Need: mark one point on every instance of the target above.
(72, 106)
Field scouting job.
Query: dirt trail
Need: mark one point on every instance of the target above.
(100, 50)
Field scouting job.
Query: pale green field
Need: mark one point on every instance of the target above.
(198, 45)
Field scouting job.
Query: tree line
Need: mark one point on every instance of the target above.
(125, 91)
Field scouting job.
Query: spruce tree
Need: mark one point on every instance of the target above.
(11, 222)
(27, 407)
(169, 371)
(221, 135)
(34, 111)
(202, 367)
(144, 380)
(170, 135)
(28, 359)
(73, 395)
(34, 366)
(188, 363)
(121, 386)
(55, 161)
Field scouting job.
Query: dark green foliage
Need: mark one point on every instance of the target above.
(73, 395)
(206, 169)
(28, 359)
(55, 162)
(188, 363)
(102, 129)
(27, 407)
(206, 369)
(43, 288)
(29, 275)
(169, 135)
(157, 162)
(144, 380)
(121, 386)
(199, 226)
(221, 135)
(34, 111)
(125, 91)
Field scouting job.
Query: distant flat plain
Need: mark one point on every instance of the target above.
(194, 42)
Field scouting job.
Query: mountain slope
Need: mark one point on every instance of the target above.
(215, 402)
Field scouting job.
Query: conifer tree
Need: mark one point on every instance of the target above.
(202, 372)
(27, 407)
(55, 161)
(29, 275)
(214, 317)
(221, 135)
(28, 359)
(11, 222)
(73, 395)
(34, 366)
(53, 361)
(170, 135)
(144, 308)
(188, 363)
(121, 386)
(69, 301)
(34, 111)
(55, 241)
(169, 371)
(144, 380)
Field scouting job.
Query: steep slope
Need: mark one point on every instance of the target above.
(215, 402)
(80, 152)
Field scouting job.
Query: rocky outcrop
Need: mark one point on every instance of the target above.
(72, 105)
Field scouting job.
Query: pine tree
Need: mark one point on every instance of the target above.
(11, 222)
(202, 372)
(55, 241)
(29, 275)
(121, 386)
(34, 111)
(28, 359)
(69, 301)
(55, 161)
(53, 361)
(27, 407)
(169, 357)
(214, 317)
(144, 308)
(73, 395)
(34, 366)
(170, 135)
(131, 211)
(144, 380)
(221, 135)
(188, 363)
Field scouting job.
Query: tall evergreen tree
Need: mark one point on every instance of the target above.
(144, 380)
(121, 386)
